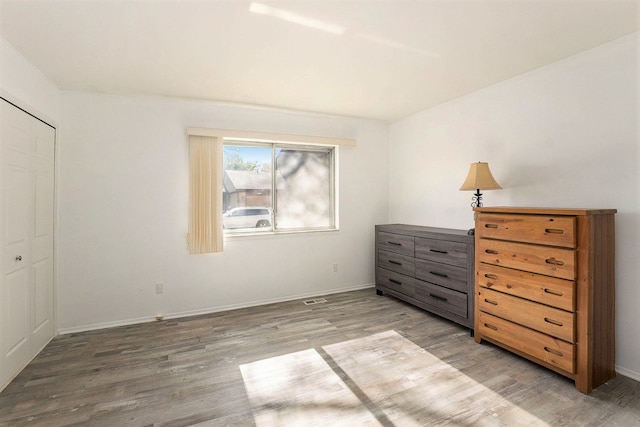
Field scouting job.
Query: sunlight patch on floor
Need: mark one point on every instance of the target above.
(301, 389)
(400, 381)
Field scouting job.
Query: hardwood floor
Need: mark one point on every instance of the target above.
(188, 371)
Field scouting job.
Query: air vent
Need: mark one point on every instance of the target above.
(315, 301)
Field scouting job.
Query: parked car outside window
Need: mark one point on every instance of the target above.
(247, 217)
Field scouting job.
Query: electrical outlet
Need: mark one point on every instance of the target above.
(335, 267)
(159, 288)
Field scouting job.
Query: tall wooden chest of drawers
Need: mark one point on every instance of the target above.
(545, 288)
(429, 267)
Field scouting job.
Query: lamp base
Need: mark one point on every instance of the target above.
(476, 199)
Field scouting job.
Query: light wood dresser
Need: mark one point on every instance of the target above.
(545, 288)
(429, 267)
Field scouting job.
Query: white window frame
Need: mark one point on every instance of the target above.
(333, 151)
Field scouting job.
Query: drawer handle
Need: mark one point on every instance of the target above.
(553, 322)
(553, 351)
(437, 297)
(554, 261)
(394, 262)
(438, 251)
(553, 231)
(491, 251)
(395, 243)
(395, 281)
(491, 276)
(491, 226)
(492, 302)
(552, 292)
(435, 273)
(486, 325)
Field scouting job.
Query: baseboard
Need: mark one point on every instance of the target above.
(175, 315)
(105, 325)
(628, 373)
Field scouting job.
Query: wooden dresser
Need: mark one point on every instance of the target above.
(545, 288)
(429, 267)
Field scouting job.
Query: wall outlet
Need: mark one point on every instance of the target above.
(335, 267)
(159, 288)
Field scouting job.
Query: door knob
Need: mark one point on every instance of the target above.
(19, 258)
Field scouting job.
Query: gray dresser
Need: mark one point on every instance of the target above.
(429, 267)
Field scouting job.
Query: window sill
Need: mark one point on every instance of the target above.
(234, 236)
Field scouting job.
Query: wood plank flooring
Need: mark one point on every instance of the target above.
(187, 372)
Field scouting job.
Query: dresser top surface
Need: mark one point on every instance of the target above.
(424, 231)
(544, 211)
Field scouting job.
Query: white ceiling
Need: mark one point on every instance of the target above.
(379, 59)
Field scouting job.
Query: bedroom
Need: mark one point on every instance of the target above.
(561, 134)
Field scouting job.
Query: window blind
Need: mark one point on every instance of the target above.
(205, 194)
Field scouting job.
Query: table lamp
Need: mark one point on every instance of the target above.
(479, 178)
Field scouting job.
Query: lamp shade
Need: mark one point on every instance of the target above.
(480, 178)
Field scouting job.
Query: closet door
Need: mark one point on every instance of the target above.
(26, 238)
(41, 237)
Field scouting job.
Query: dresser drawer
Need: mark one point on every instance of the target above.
(446, 299)
(538, 229)
(398, 243)
(558, 323)
(396, 262)
(396, 282)
(453, 253)
(449, 276)
(555, 262)
(428, 267)
(543, 347)
(557, 293)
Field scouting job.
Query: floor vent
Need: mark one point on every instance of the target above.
(315, 301)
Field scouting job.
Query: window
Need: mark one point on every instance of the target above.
(292, 186)
(274, 187)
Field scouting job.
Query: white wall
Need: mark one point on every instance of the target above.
(24, 85)
(123, 167)
(565, 135)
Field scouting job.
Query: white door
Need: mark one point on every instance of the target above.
(41, 236)
(26, 238)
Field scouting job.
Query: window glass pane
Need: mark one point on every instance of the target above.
(304, 188)
(247, 199)
(304, 195)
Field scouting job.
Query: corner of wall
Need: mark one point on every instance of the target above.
(25, 86)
